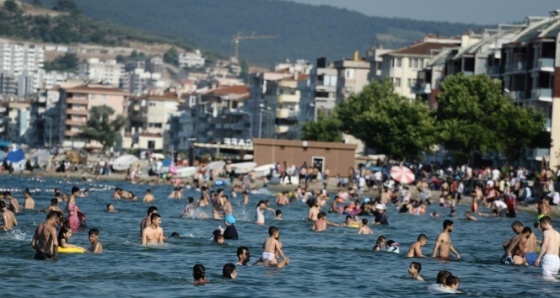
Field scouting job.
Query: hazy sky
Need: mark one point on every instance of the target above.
(464, 11)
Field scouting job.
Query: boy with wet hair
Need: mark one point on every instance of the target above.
(243, 256)
(321, 223)
(415, 251)
(414, 271)
(272, 247)
(96, 246)
(364, 228)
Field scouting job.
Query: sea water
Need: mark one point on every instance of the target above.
(336, 263)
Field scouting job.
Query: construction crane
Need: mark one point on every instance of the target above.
(239, 37)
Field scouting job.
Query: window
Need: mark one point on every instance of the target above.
(415, 63)
(409, 83)
(399, 62)
(397, 82)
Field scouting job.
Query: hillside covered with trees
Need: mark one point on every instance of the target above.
(302, 31)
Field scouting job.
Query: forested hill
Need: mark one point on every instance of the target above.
(303, 31)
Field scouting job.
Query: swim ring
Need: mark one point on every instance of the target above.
(439, 288)
(354, 225)
(71, 250)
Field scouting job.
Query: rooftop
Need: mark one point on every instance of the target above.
(423, 48)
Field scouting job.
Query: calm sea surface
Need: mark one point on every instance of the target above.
(338, 263)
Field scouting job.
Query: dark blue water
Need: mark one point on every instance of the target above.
(338, 263)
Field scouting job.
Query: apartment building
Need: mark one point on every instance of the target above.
(19, 67)
(149, 117)
(353, 76)
(191, 59)
(16, 121)
(531, 76)
(44, 109)
(324, 81)
(73, 112)
(139, 81)
(101, 72)
(293, 106)
(402, 66)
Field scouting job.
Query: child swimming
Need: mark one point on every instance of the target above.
(379, 243)
(414, 271)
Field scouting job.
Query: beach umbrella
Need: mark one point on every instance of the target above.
(402, 174)
(15, 156)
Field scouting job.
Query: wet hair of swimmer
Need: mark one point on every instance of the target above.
(198, 271)
(364, 221)
(278, 212)
(272, 230)
(416, 266)
(191, 200)
(228, 269)
(75, 189)
(452, 280)
(152, 209)
(174, 234)
(442, 276)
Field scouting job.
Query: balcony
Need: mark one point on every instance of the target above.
(421, 88)
(542, 94)
(288, 98)
(468, 73)
(70, 133)
(74, 122)
(282, 129)
(77, 101)
(537, 153)
(493, 70)
(517, 95)
(546, 64)
(286, 114)
(77, 112)
(516, 66)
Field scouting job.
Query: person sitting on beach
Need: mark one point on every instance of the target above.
(199, 275)
(111, 208)
(272, 248)
(414, 271)
(8, 218)
(29, 203)
(380, 243)
(63, 236)
(320, 225)
(229, 272)
(443, 242)
(154, 233)
(392, 246)
(415, 251)
(364, 228)
(148, 196)
(243, 256)
(469, 216)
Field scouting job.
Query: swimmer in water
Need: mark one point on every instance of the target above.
(154, 233)
(379, 243)
(229, 271)
(9, 220)
(148, 197)
(199, 275)
(313, 210)
(278, 213)
(415, 251)
(364, 228)
(414, 271)
(52, 207)
(146, 221)
(443, 242)
(63, 236)
(469, 216)
(189, 209)
(261, 207)
(243, 256)
(96, 246)
(111, 208)
(320, 225)
(272, 247)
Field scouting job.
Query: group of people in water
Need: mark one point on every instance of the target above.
(522, 249)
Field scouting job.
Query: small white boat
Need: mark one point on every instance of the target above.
(215, 165)
(123, 163)
(264, 170)
(186, 172)
(243, 167)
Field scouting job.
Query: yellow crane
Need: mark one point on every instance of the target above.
(239, 37)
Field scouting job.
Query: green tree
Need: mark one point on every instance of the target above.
(66, 5)
(388, 122)
(100, 128)
(11, 6)
(68, 62)
(37, 3)
(324, 129)
(473, 116)
(171, 56)
(244, 74)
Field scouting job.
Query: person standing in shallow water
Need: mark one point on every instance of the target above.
(443, 242)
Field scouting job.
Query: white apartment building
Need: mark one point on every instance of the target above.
(103, 72)
(19, 67)
(402, 66)
(191, 59)
(139, 81)
(324, 80)
(374, 56)
(353, 76)
(17, 58)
